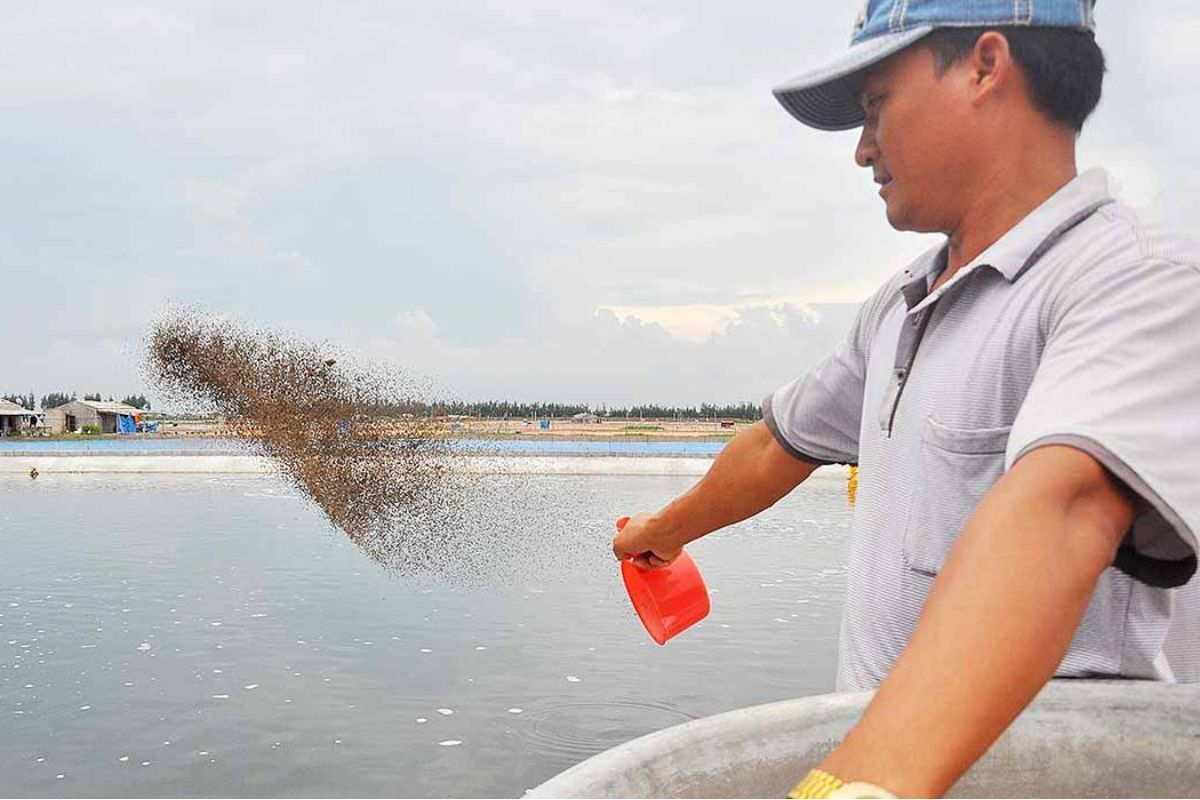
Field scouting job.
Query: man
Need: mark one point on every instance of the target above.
(1023, 401)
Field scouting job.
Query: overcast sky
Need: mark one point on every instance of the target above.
(582, 202)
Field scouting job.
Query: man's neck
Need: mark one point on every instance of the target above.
(1007, 195)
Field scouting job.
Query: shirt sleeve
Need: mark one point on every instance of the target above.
(1120, 379)
(816, 417)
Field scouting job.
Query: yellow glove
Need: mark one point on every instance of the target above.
(820, 784)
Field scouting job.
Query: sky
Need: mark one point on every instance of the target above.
(573, 202)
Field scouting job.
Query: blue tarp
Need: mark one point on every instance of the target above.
(125, 424)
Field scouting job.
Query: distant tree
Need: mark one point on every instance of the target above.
(21, 400)
(56, 399)
(96, 397)
(137, 401)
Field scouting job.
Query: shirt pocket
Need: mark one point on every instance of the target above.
(958, 467)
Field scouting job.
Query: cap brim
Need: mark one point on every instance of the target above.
(827, 98)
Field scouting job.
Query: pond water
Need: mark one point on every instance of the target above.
(210, 635)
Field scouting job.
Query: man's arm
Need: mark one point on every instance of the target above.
(998, 621)
(750, 474)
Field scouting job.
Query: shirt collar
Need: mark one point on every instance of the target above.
(920, 276)
(1018, 249)
(1029, 239)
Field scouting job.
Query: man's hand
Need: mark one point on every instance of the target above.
(645, 539)
(998, 622)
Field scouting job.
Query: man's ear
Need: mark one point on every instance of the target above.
(992, 66)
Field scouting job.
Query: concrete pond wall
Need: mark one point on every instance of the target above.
(1077, 739)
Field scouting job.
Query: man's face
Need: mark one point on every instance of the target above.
(916, 140)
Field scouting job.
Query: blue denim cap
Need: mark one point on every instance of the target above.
(827, 98)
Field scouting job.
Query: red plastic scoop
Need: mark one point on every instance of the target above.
(668, 600)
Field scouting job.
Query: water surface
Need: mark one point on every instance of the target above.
(187, 635)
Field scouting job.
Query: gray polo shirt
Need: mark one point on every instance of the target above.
(1080, 326)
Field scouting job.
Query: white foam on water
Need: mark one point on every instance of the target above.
(250, 686)
(426, 650)
(450, 743)
(481, 647)
(572, 679)
(421, 720)
(85, 708)
(144, 646)
(123, 759)
(780, 619)
(515, 710)
(220, 697)
(445, 712)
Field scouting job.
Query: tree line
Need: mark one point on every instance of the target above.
(488, 409)
(56, 399)
(496, 409)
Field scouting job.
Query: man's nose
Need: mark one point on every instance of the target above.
(866, 153)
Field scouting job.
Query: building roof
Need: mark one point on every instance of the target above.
(10, 409)
(109, 407)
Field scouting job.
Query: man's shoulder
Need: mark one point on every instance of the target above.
(1122, 252)
(1120, 236)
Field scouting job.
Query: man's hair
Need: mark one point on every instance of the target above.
(1063, 67)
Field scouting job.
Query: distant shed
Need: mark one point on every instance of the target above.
(14, 418)
(109, 416)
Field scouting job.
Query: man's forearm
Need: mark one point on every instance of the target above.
(997, 623)
(750, 475)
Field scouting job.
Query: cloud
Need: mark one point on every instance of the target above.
(621, 361)
(499, 172)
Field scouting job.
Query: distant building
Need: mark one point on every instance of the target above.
(14, 418)
(586, 416)
(109, 416)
